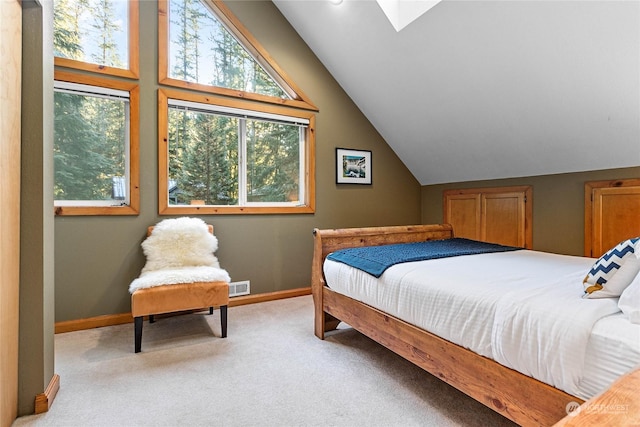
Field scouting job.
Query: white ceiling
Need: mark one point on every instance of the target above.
(474, 90)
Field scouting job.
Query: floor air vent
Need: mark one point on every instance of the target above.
(239, 288)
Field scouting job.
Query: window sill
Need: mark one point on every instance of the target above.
(95, 210)
(235, 210)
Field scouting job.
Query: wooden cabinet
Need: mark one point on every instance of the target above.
(498, 215)
(611, 214)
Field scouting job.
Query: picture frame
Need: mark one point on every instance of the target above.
(353, 166)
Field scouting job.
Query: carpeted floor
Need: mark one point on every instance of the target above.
(270, 371)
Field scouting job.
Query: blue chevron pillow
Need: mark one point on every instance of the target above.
(600, 282)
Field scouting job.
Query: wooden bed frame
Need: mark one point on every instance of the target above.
(518, 397)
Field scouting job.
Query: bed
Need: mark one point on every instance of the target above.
(465, 359)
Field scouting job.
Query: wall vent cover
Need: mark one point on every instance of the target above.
(239, 288)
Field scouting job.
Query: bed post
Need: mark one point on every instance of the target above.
(322, 321)
(316, 284)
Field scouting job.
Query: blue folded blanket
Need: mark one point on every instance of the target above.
(376, 259)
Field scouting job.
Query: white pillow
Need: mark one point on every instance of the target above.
(600, 281)
(629, 301)
(614, 287)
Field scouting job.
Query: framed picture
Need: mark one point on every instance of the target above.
(353, 166)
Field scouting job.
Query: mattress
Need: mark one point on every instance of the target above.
(498, 304)
(614, 350)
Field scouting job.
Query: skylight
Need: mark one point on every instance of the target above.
(403, 12)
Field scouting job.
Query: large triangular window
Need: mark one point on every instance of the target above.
(204, 47)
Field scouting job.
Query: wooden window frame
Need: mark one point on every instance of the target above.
(133, 208)
(226, 17)
(164, 208)
(133, 71)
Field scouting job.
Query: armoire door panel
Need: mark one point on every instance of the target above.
(500, 215)
(612, 214)
(463, 213)
(503, 220)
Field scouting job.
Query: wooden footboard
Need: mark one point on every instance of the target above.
(518, 397)
(327, 241)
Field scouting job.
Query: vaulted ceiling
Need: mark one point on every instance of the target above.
(474, 90)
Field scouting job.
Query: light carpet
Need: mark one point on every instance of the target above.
(270, 371)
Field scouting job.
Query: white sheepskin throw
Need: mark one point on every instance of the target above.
(180, 250)
(177, 276)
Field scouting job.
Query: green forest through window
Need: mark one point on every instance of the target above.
(224, 158)
(203, 51)
(100, 36)
(91, 142)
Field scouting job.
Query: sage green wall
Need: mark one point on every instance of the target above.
(36, 346)
(558, 205)
(97, 257)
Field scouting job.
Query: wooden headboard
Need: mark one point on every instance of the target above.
(331, 240)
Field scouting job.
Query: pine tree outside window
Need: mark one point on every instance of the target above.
(95, 146)
(202, 46)
(202, 50)
(100, 36)
(249, 147)
(218, 159)
(91, 130)
(96, 119)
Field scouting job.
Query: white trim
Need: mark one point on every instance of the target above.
(242, 163)
(97, 91)
(91, 203)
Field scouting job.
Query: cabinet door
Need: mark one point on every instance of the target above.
(503, 218)
(463, 212)
(500, 215)
(612, 214)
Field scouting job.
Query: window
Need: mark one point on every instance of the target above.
(95, 146)
(100, 36)
(95, 119)
(201, 50)
(202, 46)
(249, 150)
(227, 156)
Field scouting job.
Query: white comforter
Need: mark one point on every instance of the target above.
(523, 309)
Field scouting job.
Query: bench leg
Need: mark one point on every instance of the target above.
(151, 318)
(223, 320)
(210, 310)
(138, 333)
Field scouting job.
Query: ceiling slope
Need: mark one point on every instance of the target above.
(475, 90)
